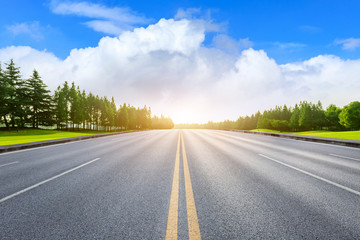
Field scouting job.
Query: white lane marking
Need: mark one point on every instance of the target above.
(54, 145)
(6, 164)
(356, 159)
(313, 175)
(45, 181)
(35, 148)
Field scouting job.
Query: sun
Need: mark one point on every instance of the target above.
(183, 117)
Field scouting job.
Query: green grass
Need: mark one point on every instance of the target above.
(36, 135)
(352, 135)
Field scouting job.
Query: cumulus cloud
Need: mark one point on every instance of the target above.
(226, 43)
(107, 20)
(167, 67)
(201, 16)
(349, 44)
(32, 29)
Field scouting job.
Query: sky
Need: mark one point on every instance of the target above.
(195, 61)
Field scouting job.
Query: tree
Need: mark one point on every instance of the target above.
(311, 116)
(132, 117)
(350, 116)
(40, 101)
(90, 100)
(332, 117)
(4, 97)
(123, 117)
(62, 106)
(84, 107)
(294, 120)
(74, 105)
(14, 92)
(162, 123)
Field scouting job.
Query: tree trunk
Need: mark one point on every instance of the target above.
(6, 122)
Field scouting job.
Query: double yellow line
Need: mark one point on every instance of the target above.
(193, 223)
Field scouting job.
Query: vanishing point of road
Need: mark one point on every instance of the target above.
(181, 184)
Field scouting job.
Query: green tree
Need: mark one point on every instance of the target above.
(112, 112)
(350, 116)
(332, 117)
(61, 100)
(4, 97)
(15, 92)
(162, 122)
(74, 105)
(123, 117)
(132, 117)
(40, 101)
(84, 108)
(294, 119)
(90, 100)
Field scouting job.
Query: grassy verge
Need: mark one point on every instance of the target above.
(268, 130)
(36, 135)
(351, 135)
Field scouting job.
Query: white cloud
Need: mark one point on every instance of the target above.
(166, 66)
(289, 45)
(349, 44)
(188, 13)
(202, 17)
(107, 27)
(32, 29)
(107, 20)
(226, 43)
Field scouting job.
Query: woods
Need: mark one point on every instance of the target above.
(28, 102)
(304, 116)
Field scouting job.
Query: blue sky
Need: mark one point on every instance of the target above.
(286, 30)
(191, 60)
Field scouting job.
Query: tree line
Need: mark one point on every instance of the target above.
(28, 102)
(304, 116)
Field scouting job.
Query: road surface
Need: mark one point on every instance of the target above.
(184, 184)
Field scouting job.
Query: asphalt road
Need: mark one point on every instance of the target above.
(200, 183)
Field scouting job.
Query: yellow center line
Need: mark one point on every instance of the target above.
(172, 223)
(193, 223)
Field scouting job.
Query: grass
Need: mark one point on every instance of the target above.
(36, 135)
(352, 135)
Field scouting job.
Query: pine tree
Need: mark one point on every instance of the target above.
(132, 117)
(40, 101)
(4, 97)
(123, 117)
(113, 112)
(16, 94)
(61, 99)
(84, 107)
(294, 120)
(74, 105)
